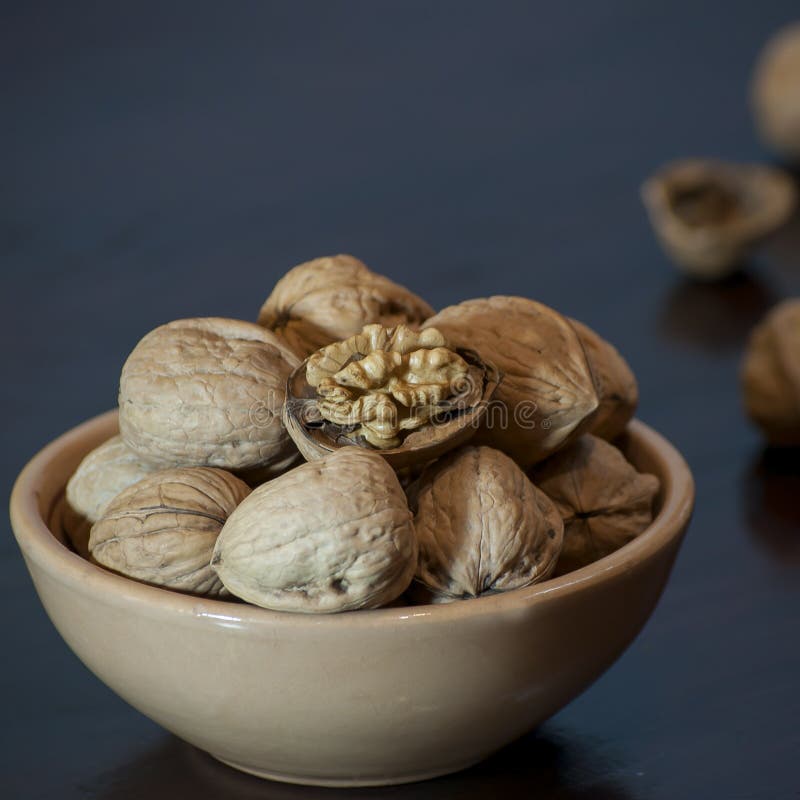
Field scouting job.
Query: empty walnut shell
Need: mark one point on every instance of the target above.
(616, 384)
(162, 530)
(454, 421)
(482, 526)
(771, 375)
(102, 475)
(334, 535)
(604, 500)
(329, 299)
(208, 392)
(708, 215)
(775, 92)
(548, 392)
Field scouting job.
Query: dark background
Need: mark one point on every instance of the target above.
(167, 160)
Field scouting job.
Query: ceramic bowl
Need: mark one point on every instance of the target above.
(360, 698)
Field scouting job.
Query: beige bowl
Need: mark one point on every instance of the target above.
(360, 698)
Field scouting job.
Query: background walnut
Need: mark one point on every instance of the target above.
(775, 92)
(604, 501)
(332, 298)
(547, 393)
(615, 382)
(162, 529)
(708, 215)
(332, 535)
(771, 374)
(482, 526)
(208, 392)
(102, 475)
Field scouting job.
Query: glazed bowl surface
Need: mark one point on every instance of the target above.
(360, 698)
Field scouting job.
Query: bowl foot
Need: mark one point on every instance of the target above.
(339, 782)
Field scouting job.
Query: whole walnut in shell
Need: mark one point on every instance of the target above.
(162, 529)
(547, 394)
(331, 535)
(775, 92)
(771, 375)
(332, 298)
(615, 382)
(102, 475)
(208, 392)
(604, 500)
(482, 526)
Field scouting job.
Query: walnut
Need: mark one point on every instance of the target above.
(482, 526)
(208, 392)
(708, 215)
(384, 381)
(404, 392)
(331, 535)
(102, 475)
(771, 375)
(604, 500)
(162, 529)
(332, 298)
(775, 92)
(615, 382)
(547, 394)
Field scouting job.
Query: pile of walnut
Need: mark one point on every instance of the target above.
(205, 490)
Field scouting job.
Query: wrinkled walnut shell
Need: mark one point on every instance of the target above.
(331, 298)
(604, 500)
(708, 215)
(482, 526)
(332, 535)
(547, 395)
(615, 382)
(453, 427)
(208, 392)
(771, 375)
(162, 530)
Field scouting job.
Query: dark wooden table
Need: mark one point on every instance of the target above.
(168, 162)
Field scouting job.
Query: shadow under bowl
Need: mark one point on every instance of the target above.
(361, 698)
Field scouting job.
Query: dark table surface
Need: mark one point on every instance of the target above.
(162, 162)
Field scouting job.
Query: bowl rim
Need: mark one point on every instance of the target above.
(39, 545)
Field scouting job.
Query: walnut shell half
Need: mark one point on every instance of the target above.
(604, 500)
(482, 526)
(771, 375)
(708, 215)
(403, 392)
(208, 392)
(332, 535)
(331, 298)
(548, 392)
(162, 529)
